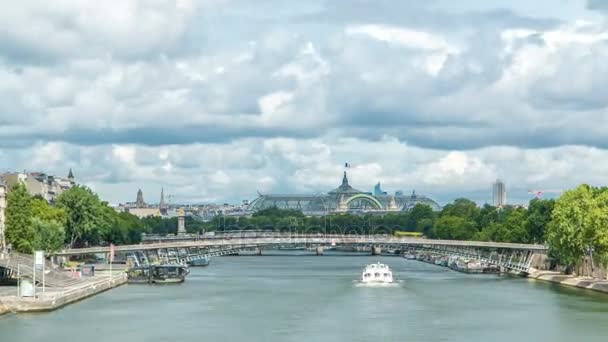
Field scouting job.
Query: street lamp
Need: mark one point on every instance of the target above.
(589, 251)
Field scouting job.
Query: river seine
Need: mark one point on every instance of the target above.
(310, 298)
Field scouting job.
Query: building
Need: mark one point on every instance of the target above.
(499, 194)
(141, 209)
(378, 190)
(344, 198)
(139, 201)
(144, 212)
(39, 183)
(2, 215)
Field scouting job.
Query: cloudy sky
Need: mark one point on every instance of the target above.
(217, 99)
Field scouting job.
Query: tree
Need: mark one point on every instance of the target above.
(488, 214)
(425, 226)
(454, 227)
(122, 228)
(510, 229)
(417, 214)
(19, 230)
(539, 216)
(579, 223)
(84, 214)
(46, 212)
(276, 212)
(49, 235)
(461, 207)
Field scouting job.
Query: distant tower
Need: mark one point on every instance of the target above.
(161, 204)
(71, 177)
(344, 180)
(499, 194)
(139, 202)
(377, 189)
(181, 222)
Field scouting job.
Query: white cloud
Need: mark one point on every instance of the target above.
(208, 97)
(235, 171)
(457, 168)
(403, 36)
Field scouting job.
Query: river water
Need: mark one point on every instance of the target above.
(310, 298)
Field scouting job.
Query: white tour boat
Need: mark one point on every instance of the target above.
(377, 273)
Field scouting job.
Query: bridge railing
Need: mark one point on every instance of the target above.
(298, 238)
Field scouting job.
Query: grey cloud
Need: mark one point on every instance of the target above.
(371, 88)
(578, 84)
(598, 5)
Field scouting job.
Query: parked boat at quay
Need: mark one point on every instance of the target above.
(455, 263)
(466, 266)
(410, 256)
(157, 274)
(199, 262)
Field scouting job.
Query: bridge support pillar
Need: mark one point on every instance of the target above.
(258, 251)
(376, 250)
(319, 250)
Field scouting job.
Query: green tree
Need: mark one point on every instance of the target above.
(84, 215)
(417, 214)
(461, 207)
(49, 235)
(19, 229)
(539, 216)
(123, 228)
(454, 227)
(512, 228)
(579, 222)
(276, 212)
(46, 212)
(425, 226)
(488, 214)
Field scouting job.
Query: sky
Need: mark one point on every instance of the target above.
(219, 100)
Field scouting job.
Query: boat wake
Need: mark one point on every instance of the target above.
(393, 284)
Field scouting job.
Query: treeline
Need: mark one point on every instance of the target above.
(460, 220)
(574, 226)
(77, 218)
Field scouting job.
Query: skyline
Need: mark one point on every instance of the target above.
(217, 100)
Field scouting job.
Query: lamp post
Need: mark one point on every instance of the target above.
(589, 252)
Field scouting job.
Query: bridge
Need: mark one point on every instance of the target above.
(511, 256)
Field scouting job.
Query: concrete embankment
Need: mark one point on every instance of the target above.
(55, 298)
(571, 280)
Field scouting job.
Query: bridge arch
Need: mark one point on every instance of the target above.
(367, 198)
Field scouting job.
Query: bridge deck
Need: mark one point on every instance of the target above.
(304, 239)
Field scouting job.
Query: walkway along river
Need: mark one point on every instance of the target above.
(310, 298)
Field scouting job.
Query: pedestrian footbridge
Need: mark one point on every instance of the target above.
(511, 256)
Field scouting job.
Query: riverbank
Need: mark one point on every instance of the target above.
(55, 298)
(570, 280)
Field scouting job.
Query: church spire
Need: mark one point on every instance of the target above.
(70, 175)
(139, 202)
(161, 204)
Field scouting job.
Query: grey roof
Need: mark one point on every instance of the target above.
(344, 188)
(313, 204)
